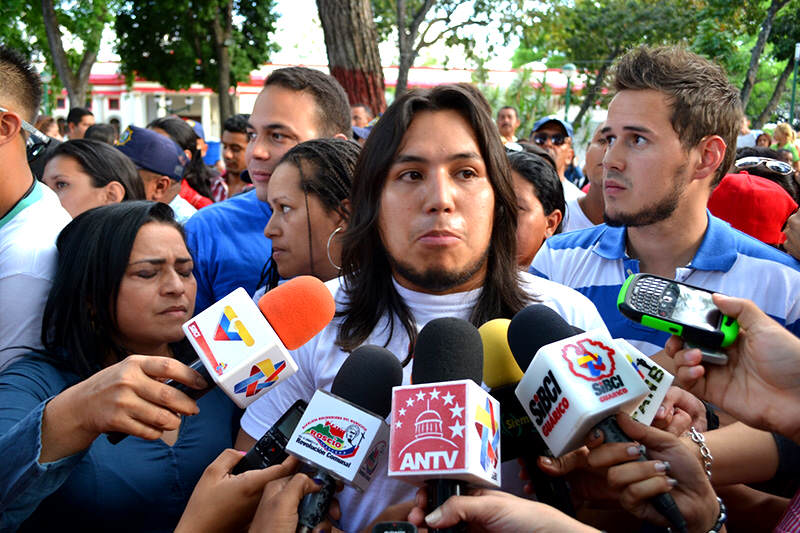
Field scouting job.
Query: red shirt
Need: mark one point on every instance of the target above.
(197, 200)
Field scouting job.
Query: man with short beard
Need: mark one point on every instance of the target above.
(671, 135)
(432, 234)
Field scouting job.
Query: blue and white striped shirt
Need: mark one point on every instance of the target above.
(594, 262)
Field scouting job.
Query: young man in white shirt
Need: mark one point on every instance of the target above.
(432, 234)
(31, 216)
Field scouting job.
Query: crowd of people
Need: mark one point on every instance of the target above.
(111, 240)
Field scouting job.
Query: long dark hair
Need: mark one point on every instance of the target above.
(104, 164)
(79, 325)
(331, 163)
(197, 174)
(365, 262)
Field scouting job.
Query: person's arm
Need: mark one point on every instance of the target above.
(741, 454)
(760, 384)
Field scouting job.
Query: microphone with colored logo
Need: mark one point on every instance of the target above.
(445, 429)
(343, 433)
(244, 348)
(574, 383)
(517, 436)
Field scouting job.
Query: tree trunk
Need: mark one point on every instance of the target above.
(591, 92)
(351, 42)
(76, 84)
(776, 96)
(223, 36)
(758, 49)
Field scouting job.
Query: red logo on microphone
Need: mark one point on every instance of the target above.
(589, 360)
(428, 429)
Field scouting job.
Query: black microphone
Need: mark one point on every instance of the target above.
(365, 381)
(519, 439)
(447, 349)
(537, 326)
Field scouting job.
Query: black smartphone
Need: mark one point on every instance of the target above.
(681, 309)
(271, 448)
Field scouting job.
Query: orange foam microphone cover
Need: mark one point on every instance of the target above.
(298, 309)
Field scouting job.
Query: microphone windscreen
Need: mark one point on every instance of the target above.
(499, 366)
(298, 309)
(448, 349)
(366, 379)
(535, 326)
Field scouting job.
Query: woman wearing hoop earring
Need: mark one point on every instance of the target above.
(308, 194)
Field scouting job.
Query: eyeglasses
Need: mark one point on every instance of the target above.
(779, 167)
(36, 142)
(557, 138)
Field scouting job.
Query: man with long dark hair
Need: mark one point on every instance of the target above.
(432, 234)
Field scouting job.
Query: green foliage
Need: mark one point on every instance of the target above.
(84, 21)
(529, 94)
(173, 42)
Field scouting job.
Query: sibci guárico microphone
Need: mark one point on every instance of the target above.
(343, 433)
(574, 383)
(244, 349)
(519, 439)
(445, 428)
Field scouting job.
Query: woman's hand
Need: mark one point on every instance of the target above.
(224, 502)
(673, 468)
(129, 397)
(760, 384)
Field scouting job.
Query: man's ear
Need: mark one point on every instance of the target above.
(10, 124)
(162, 185)
(114, 192)
(341, 136)
(711, 150)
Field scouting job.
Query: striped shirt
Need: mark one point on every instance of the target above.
(594, 262)
(790, 523)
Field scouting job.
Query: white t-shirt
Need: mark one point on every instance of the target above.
(319, 361)
(571, 191)
(575, 218)
(27, 264)
(183, 210)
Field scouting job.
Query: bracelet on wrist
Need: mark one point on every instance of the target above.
(708, 459)
(721, 519)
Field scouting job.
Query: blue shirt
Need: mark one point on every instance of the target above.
(137, 485)
(594, 262)
(228, 245)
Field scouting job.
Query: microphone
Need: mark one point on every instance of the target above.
(343, 433)
(518, 438)
(576, 382)
(445, 428)
(244, 348)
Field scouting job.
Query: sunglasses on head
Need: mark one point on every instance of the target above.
(36, 141)
(557, 138)
(773, 165)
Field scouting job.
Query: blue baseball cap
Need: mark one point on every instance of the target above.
(552, 118)
(197, 127)
(154, 152)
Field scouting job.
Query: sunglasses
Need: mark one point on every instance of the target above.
(557, 138)
(779, 167)
(36, 142)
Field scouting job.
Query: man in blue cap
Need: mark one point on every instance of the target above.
(555, 136)
(161, 163)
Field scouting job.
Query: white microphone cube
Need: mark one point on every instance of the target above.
(243, 354)
(573, 384)
(447, 430)
(657, 379)
(341, 438)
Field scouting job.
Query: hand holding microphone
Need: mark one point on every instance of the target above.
(244, 349)
(673, 468)
(575, 384)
